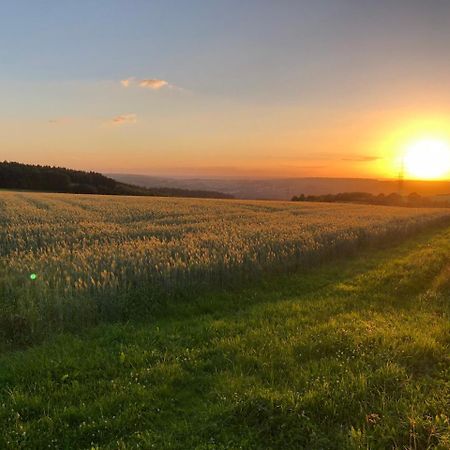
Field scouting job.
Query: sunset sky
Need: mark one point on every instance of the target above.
(235, 88)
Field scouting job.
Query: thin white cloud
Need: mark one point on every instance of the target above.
(124, 119)
(147, 83)
(153, 83)
(125, 83)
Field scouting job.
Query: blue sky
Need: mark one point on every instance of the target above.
(268, 82)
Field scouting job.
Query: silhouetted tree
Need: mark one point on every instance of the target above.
(394, 199)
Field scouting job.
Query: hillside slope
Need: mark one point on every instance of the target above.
(57, 179)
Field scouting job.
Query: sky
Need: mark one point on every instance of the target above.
(223, 88)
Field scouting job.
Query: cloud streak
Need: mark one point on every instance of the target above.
(154, 84)
(361, 158)
(124, 119)
(125, 83)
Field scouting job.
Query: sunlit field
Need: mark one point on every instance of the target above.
(68, 261)
(204, 324)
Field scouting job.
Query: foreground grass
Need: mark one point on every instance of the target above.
(354, 354)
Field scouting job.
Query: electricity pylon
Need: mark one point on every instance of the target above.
(401, 176)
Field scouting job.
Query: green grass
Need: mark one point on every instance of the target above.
(354, 354)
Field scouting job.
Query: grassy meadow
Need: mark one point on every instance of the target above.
(204, 324)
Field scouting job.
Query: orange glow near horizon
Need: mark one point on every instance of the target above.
(371, 146)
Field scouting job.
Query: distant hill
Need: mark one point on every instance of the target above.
(15, 175)
(286, 188)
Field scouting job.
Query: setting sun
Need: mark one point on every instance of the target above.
(427, 159)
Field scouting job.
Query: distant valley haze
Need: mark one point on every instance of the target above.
(286, 188)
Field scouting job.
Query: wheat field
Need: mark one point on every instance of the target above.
(68, 260)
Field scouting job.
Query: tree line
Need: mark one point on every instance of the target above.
(29, 177)
(412, 200)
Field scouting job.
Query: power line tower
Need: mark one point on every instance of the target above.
(401, 176)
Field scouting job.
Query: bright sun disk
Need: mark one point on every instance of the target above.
(427, 159)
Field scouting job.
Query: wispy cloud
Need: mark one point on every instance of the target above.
(127, 81)
(147, 83)
(153, 83)
(124, 119)
(361, 158)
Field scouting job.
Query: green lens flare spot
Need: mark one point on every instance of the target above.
(33, 276)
